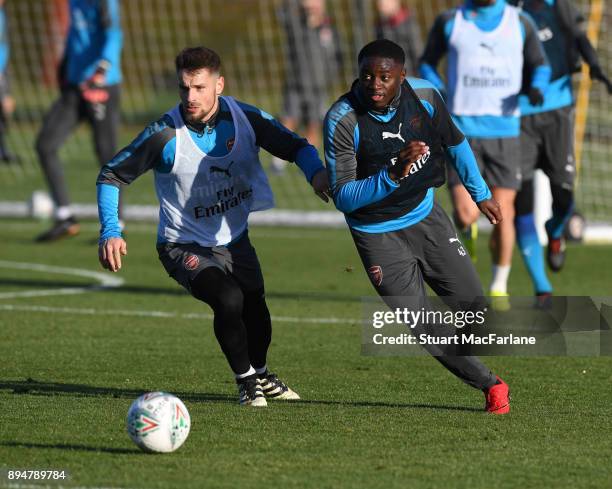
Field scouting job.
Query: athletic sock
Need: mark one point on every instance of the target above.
(563, 207)
(249, 374)
(262, 372)
(469, 233)
(556, 224)
(532, 252)
(499, 283)
(63, 212)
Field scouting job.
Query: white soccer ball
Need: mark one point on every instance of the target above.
(158, 422)
(40, 205)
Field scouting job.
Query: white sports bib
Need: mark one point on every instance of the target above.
(206, 199)
(485, 69)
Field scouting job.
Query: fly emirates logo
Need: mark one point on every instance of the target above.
(417, 165)
(227, 199)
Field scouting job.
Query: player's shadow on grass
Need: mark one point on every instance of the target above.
(32, 387)
(388, 405)
(71, 446)
(313, 296)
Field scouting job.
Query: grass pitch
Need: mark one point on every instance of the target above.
(72, 364)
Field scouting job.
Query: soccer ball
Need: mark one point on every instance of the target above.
(158, 422)
(40, 205)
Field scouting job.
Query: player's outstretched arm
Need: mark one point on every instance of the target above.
(598, 74)
(435, 49)
(491, 209)
(535, 61)
(110, 252)
(575, 24)
(348, 192)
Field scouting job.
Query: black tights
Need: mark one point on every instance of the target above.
(563, 199)
(242, 320)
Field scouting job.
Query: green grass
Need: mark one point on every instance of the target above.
(67, 380)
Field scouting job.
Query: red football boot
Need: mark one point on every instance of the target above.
(498, 398)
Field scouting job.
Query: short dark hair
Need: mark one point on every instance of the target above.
(382, 48)
(198, 58)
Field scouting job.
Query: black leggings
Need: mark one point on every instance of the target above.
(62, 119)
(562, 199)
(242, 320)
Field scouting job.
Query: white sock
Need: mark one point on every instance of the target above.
(261, 370)
(500, 278)
(63, 212)
(250, 371)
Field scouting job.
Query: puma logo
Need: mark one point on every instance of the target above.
(216, 169)
(460, 248)
(545, 34)
(487, 47)
(398, 135)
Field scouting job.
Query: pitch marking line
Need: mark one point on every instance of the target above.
(163, 314)
(105, 280)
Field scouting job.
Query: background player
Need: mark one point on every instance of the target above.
(385, 145)
(398, 24)
(89, 77)
(312, 59)
(208, 178)
(7, 104)
(547, 135)
(488, 42)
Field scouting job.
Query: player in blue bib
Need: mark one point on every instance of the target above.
(488, 43)
(208, 178)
